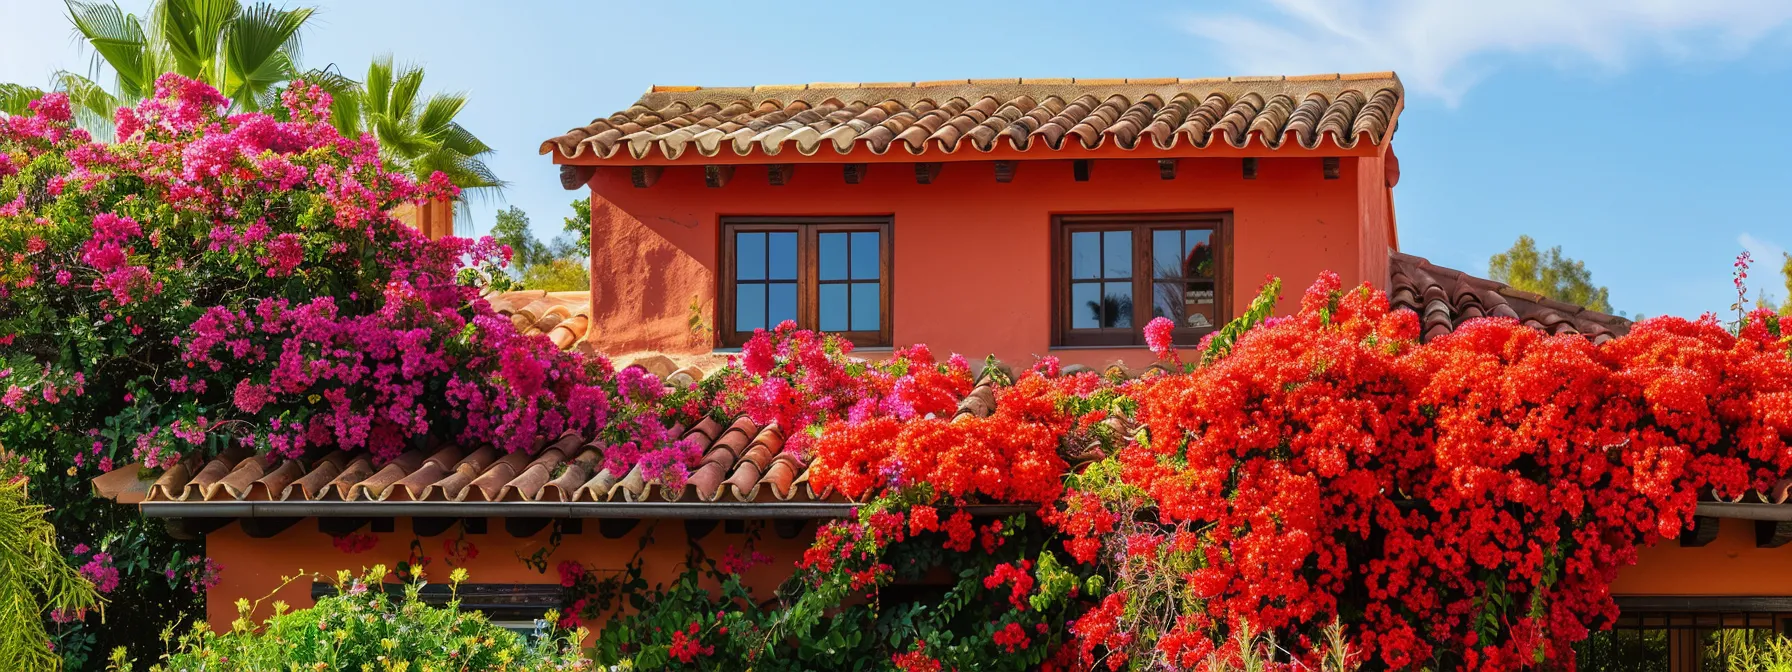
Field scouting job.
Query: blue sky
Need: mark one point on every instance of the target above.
(1645, 137)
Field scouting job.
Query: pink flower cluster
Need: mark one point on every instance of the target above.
(305, 316)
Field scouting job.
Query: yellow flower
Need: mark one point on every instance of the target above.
(313, 398)
(458, 576)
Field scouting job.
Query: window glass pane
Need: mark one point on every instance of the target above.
(1166, 253)
(1085, 252)
(832, 256)
(833, 308)
(864, 255)
(1167, 301)
(1116, 254)
(1188, 304)
(1085, 305)
(864, 303)
(749, 256)
(780, 303)
(1116, 299)
(1197, 253)
(749, 307)
(783, 259)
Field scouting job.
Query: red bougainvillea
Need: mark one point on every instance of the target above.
(1465, 502)
(1472, 498)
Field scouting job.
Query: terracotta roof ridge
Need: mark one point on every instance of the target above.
(1328, 112)
(1415, 279)
(1036, 81)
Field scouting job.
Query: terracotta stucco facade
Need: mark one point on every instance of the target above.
(972, 263)
(258, 568)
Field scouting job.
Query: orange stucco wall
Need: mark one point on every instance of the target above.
(253, 568)
(1731, 565)
(972, 256)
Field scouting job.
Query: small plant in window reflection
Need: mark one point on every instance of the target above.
(1111, 311)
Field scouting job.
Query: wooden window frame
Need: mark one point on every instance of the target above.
(808, 283)
(1143, 278)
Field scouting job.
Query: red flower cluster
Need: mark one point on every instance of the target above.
(1016, 573)
(1497, 475)
(1010, 455)
(687, 645)
(916, 660)
(355, 542)
(1012, 638)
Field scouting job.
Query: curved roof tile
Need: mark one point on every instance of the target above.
(940, 117)
(1446, 298)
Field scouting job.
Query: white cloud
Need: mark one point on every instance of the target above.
(1768, 258)
(1442, 47)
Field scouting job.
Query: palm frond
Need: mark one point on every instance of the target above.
(190, 33)
(405, 86)
(399, 140)
(461, 140)
(437, 119)
(255, 48)
(345, 98)
(249, 90)
(475, 179)
(16, 98)
(94, 107)
(117, 41)
(377, 88)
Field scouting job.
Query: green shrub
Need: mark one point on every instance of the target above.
(1750, 654)
(34, 578)
(364, 627)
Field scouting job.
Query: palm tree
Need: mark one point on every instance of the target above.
(420, 136)
(417, 136)
(243, 52)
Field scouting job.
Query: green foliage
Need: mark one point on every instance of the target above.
(365, 627)
(245, 52)
(1771, 655)
(1260, 309)
(560, 274)
(933, 600)
(512, 229)
(418, 135)
(579, 224)
(555, 266)
(34, 579)
(1550, 274)
(15, 97)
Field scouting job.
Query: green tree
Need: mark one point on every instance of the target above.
(1550, 274)
(1786, 275)
(579, 223)
(556, 266)
(245, 52)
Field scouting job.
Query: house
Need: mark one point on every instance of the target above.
(1013, 217)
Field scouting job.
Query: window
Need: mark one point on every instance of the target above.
(1669, 641)
(829, 274)
(1113, 275)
